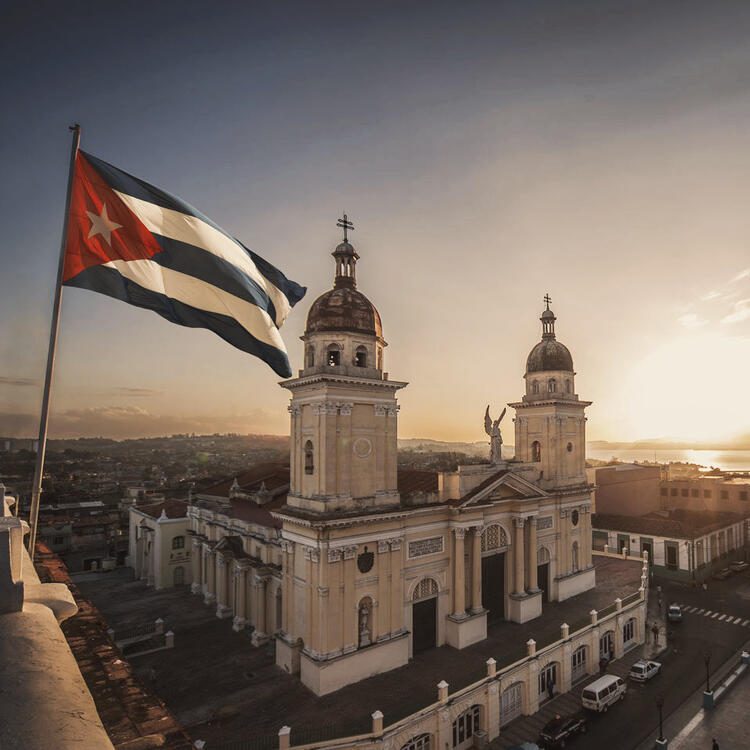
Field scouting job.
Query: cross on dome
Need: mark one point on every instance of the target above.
(345, 224)
(547, 300)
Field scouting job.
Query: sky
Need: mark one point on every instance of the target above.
(487, 152)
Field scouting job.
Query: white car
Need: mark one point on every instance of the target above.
(643, 670)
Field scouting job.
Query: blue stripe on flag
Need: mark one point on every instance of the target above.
(199, 263)
(109, 281)
(127, 183)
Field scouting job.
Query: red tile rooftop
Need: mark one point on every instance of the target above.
(171, 508)
(129, 712)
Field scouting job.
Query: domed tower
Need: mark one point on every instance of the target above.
(550, 421)
(344, 411)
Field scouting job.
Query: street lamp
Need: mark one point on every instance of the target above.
(660, 705)
(707, 661)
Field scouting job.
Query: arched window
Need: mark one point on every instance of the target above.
(551, 385)
(628, 630)
(425, 589)
(578, 664)
(360, 357)
(567, 386)
(310, 357)
(178, 542)
(309, 458)
(493, 537)
(535, 387)
(420, 742)
(542, 556)
(536, 451)
(574, 557)
(333, 355)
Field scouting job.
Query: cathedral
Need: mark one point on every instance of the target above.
(366, 564)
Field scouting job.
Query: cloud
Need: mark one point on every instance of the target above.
(710, 296)
(691, 320)
(740, 312)
(137, 391)
(745, 273)
(21, 382)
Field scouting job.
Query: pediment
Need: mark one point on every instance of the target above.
(504, 487)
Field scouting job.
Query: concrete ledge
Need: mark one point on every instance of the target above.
(46, 703)
(524, 608)
(323, 677)
(463, 632)
(576, 583)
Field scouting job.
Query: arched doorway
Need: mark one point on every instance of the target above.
(178, 575)
(465, 727)
(494, 544)
(578, 664)
(607, 646)
(424, 615)
(542, 572)
(511, 703)
(420, 742)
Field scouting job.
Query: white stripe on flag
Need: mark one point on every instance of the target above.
(196, 293)
(194, 231)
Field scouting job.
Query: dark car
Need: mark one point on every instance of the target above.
(561, 728)
(739, 566)
(722, 574)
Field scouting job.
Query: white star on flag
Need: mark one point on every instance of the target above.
(102, 225)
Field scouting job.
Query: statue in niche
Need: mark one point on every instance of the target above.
(496, 439)
(364, 623)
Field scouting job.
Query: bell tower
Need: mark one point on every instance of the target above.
(550, 421)
(343, 454)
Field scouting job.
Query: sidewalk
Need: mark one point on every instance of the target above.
(691, 727)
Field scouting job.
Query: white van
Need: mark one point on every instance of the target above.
(602, 692)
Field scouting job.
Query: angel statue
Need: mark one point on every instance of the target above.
(496, 439)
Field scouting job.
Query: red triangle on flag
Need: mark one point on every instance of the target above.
(101, 228)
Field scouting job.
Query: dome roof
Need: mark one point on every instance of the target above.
(549, 354)
(344, 309)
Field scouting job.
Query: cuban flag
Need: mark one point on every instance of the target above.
(139, 244)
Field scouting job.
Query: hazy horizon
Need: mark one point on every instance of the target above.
(488, 153)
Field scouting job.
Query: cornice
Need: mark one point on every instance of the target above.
(347, 380)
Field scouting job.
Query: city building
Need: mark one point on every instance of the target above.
(716, 493)
(355, 566)
(681, 544)
(625, 489)
(159, 546)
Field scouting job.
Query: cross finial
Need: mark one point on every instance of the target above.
(547, 299)
(345, 224)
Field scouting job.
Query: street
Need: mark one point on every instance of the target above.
(716, 621)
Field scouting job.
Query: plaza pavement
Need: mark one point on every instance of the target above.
(222, 689)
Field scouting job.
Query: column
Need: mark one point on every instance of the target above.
(384, 599)
(533, 582)
(239, 613)
(260, 605)
(459, 575)
(195, 560)
(476, 570)
(210, 595)
(223, 609)
(518, 544)
(350, 622)
(397, 593)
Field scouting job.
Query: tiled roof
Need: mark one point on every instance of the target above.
(679, 523)
(172, 509)
(128, 710)
(416, 480)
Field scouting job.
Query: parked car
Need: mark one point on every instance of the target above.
(644, 670)
(600, 694)
(674, 613)
(739, 566)
(722, 574)
(561, 728)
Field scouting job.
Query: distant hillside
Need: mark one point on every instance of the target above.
(740, 443)
(480, 449)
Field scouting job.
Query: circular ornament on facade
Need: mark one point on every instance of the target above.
(570, 447)
(574, 517)
(365, 561)
(362, 447)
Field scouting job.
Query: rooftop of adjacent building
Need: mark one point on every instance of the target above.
(171, 509)
(223, 689)
(682, 523)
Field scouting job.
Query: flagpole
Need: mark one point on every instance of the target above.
(36, 488)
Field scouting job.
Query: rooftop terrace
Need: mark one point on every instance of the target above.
(221, 688)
